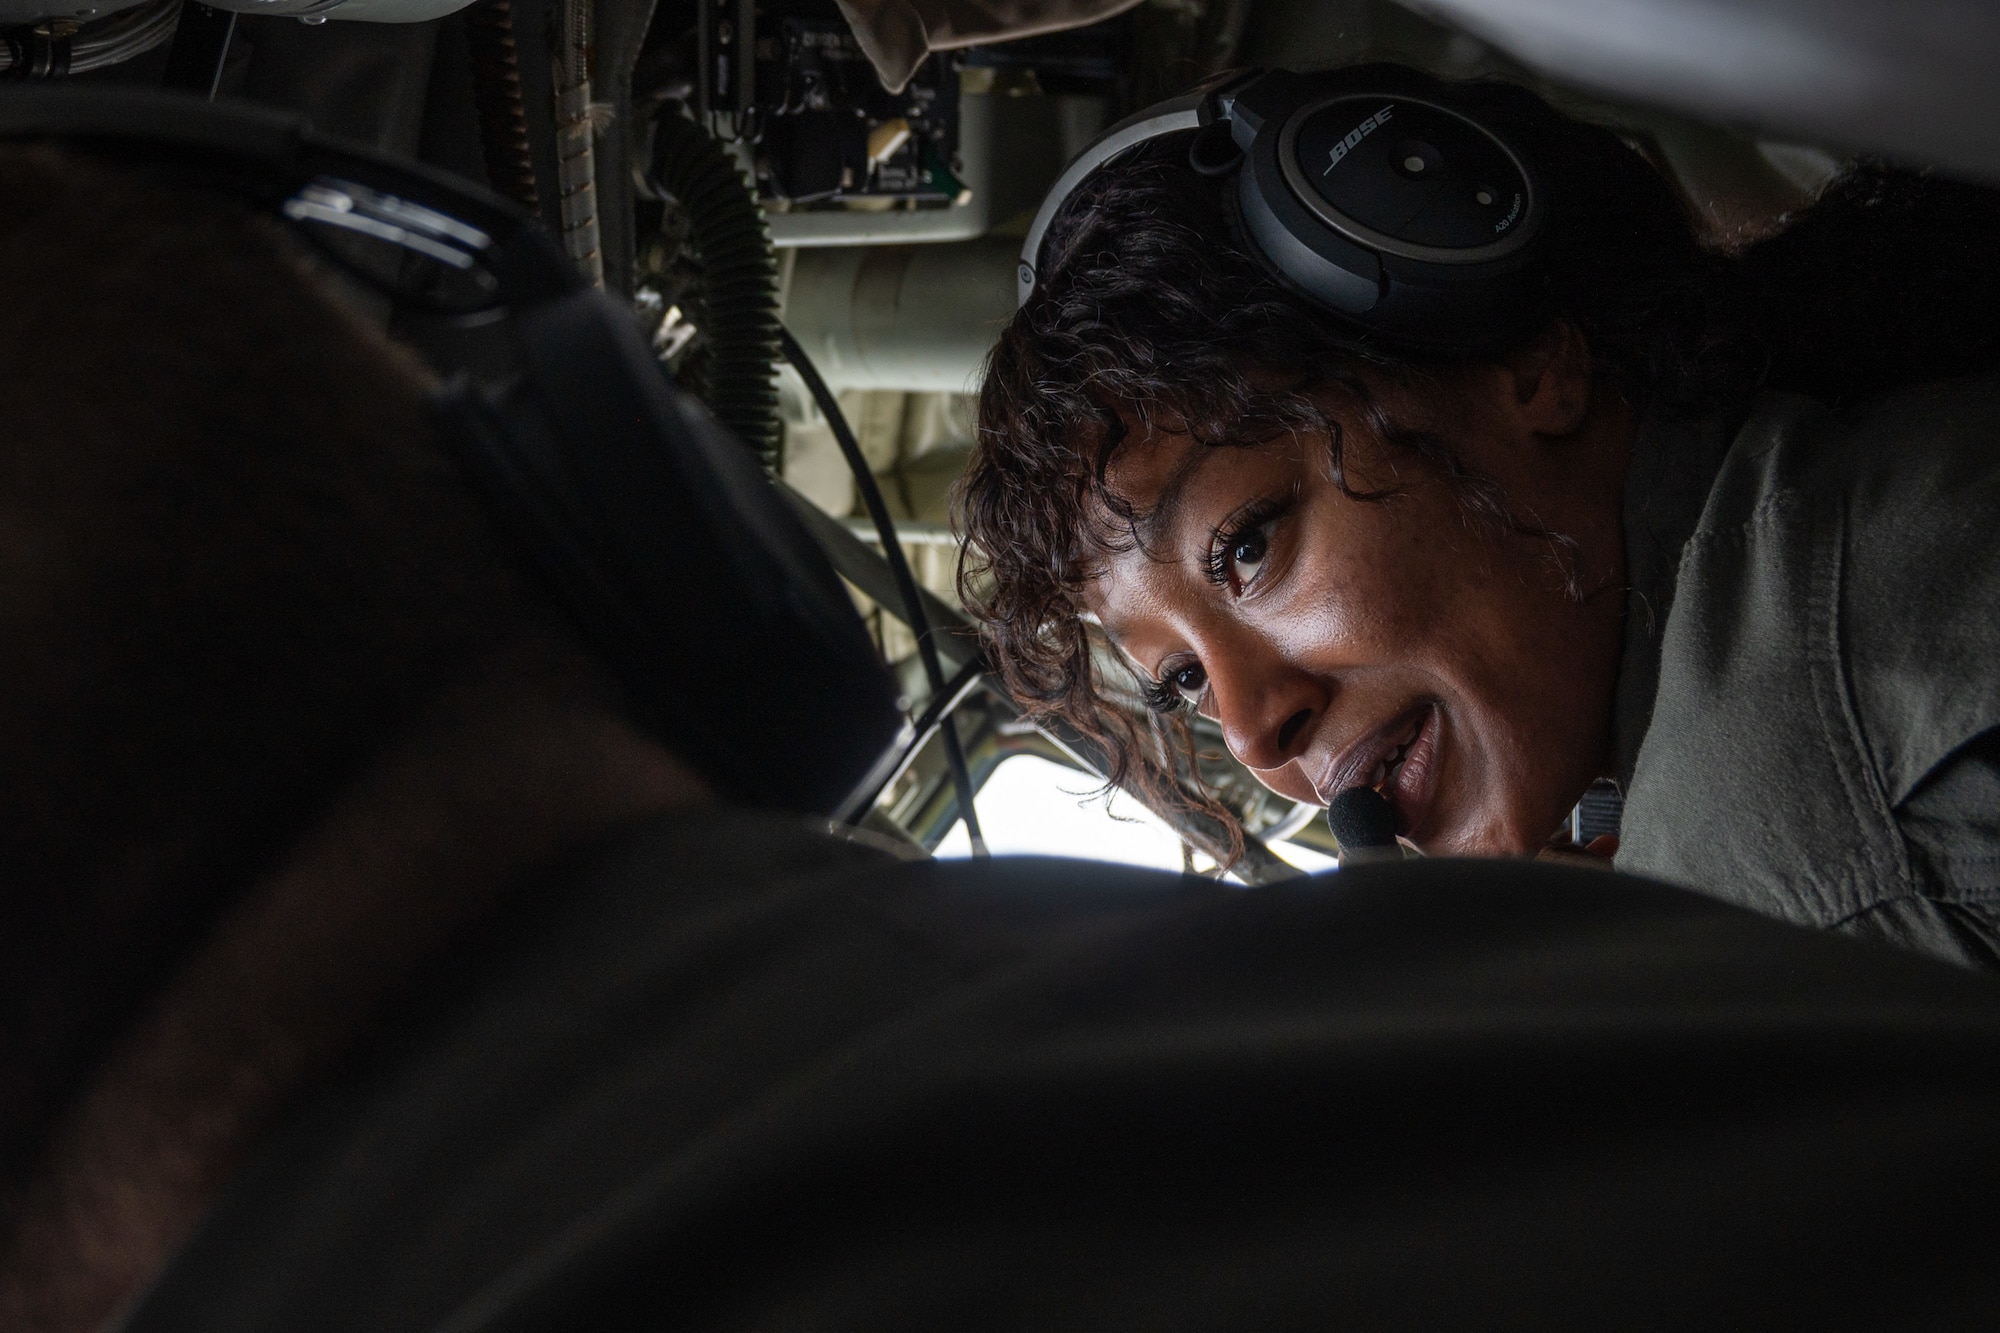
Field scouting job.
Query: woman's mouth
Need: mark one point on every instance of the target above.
(1392, 763)
(1408, 777)
(1401, 761)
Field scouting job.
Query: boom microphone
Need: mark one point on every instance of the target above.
(1364, 824)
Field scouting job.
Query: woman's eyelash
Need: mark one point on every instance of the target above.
(1231, 533)
(1163, 695)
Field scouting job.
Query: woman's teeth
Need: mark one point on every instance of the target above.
(1393, 763)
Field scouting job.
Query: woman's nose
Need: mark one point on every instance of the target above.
(1265, 707)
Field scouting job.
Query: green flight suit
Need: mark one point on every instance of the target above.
(1808, 703)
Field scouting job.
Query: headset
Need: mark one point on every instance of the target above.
(653, 529)
(1367, 192)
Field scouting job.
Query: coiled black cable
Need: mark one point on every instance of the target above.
(739, 280)
(899, 569)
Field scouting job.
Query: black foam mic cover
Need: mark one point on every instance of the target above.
(1364, 824)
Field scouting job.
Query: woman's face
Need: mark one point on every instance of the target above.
(1401, 643)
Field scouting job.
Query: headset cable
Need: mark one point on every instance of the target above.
(899, 568)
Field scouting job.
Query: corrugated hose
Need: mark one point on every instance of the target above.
(496, 93)
(739, 279)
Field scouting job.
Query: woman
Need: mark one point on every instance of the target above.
(1723, 528)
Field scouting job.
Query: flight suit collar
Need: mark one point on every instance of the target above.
(1674, 466)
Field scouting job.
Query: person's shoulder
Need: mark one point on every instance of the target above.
(1920, 594)
(1831, 641)
(1910, 482)
(1905, 451)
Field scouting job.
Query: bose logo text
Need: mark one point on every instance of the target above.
(1355, 136)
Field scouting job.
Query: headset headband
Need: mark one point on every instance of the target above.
(1171, 117)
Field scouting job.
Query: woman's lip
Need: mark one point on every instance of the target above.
(1413, 786)
(1355, 765)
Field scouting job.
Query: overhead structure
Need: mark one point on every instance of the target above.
(1911, 80)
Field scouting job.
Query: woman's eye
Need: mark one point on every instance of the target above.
(1247, 554)
(1188, 681)
(1241, 548)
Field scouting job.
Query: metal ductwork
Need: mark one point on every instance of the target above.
(920, 318)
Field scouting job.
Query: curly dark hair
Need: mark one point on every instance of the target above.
(1149, 314)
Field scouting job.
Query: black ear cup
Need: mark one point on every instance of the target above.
(1397, 212)
(1367, 192)
(657, 532)
(1408, 178)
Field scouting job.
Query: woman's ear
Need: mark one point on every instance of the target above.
(1551, 374)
